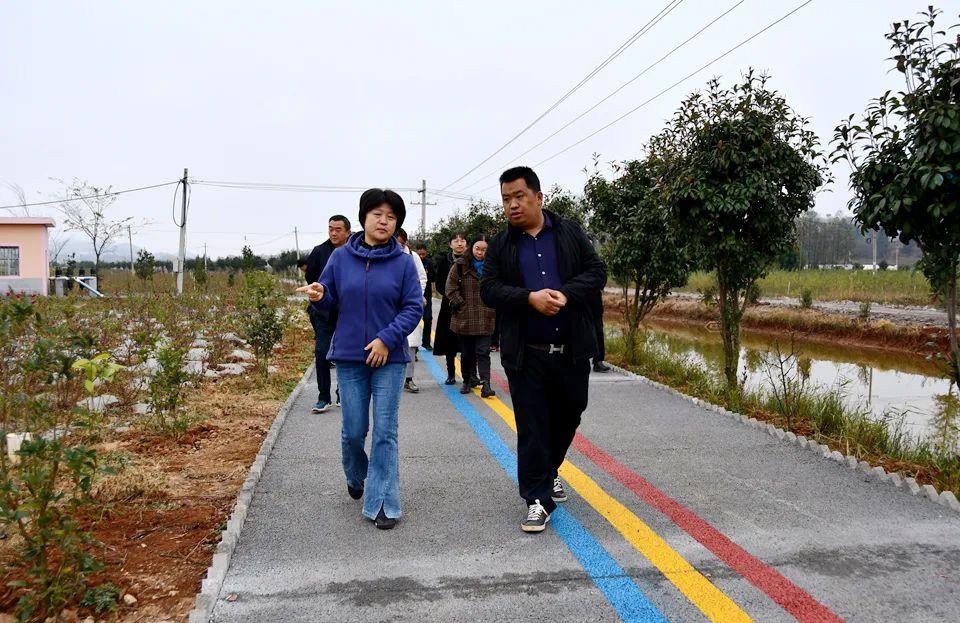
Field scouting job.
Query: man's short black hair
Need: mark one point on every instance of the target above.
(457, 234)
(402, 233)
(342, 219)
(521, 173)
(301, 262)
(376, 197)
(421, 245)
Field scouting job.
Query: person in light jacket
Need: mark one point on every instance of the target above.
(414, 339)
(376, 287)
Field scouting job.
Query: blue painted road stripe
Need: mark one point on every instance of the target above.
(620, 590)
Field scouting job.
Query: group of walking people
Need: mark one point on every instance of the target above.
(537, 282)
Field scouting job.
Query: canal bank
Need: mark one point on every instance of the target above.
(890, 409)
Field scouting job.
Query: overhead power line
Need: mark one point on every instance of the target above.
(611, 94)
(669, 88)
(109, 194)
(666, 10)
(293, 187)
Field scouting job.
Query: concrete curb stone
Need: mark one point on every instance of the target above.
(947, 499)
(217, 572)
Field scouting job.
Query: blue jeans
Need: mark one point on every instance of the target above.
(380, 475)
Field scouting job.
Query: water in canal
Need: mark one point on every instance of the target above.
(906, 390)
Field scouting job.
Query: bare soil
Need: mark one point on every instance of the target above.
(157, 546)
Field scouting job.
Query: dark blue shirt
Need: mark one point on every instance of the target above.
(541, 269)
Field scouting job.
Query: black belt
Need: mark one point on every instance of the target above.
(550, 349)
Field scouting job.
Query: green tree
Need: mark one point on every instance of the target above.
(736, 167)
(905, 156)
(145, 265)
(566, 205)
(641, 252)
(262, 307)
(200, 273)
(481, 218)
(249, 260)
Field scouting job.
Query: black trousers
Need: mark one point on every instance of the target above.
(427, 322)
(475, 357)
(323, 333)
(549, 394)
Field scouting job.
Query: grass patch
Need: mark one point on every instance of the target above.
(901, 287)
(817, 413)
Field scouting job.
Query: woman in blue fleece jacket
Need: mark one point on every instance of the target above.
(375, 286)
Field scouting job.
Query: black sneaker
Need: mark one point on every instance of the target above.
(486, 391)
(356, 494)
(466, 388)
(558, 494)
(600, 366)
(451, 380)
(537, 518)
(383, 522)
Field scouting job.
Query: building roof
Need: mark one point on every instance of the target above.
(27, 220)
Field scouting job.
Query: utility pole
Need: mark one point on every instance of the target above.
(183, 236)
(130, 240)
(423, 210)
(875, 250)
(204, 257)
(296, 242)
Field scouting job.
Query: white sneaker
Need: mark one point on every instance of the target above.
(558, 494)
(537, 518)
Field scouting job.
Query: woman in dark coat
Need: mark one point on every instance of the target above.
(446, 342)
(472, 321)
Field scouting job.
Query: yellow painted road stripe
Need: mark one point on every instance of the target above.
(714, 604)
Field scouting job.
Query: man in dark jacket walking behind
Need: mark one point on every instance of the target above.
(324, 322)
(542, 275)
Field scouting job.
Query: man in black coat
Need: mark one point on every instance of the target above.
(324, 323)
(542, 276)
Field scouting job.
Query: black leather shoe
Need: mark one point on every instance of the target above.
(487, 392)
(356, 494)
(601, 367)
(383, 522)
(465, 389)
(451, 380)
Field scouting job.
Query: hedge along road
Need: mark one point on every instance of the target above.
(676, 514)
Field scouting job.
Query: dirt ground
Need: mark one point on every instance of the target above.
(158, 537)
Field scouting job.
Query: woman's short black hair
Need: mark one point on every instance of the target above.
(376, 197)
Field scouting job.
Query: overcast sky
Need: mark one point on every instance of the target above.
(382, 94)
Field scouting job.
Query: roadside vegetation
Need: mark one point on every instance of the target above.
(897, 287)
(128, 424)
(818, 413)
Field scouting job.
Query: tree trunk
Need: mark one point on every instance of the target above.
(630, 327)
(730, 313)
(952, 324)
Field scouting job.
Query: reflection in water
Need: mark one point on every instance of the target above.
(909, 387)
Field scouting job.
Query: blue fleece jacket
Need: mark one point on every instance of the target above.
(377, 292)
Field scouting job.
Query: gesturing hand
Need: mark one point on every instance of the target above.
(547, 302)
(314, 291)
(378, 353)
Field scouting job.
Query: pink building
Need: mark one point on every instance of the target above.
(24, 266)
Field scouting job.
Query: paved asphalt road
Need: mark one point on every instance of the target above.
(675, 514)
